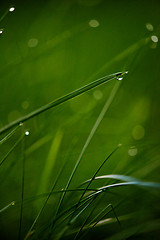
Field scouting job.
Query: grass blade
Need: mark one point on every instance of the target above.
(9, 134)
(45, 203)
(98, 121)
(11, 150)
(22, 192)
(63, 99)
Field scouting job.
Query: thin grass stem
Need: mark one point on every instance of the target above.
(11, 150)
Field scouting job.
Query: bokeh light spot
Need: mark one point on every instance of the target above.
(149, 27)
(93, 23)
(25, 104)
(32, 42)
(138, 132)
(97, 94)
(132, 151)
(154, 39)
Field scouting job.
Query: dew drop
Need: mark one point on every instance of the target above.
(119, 77)
(13, 203)
(120, 145)
(11, 9)
(27, 133)
(154, 39)
(21, 124)
(1, 31)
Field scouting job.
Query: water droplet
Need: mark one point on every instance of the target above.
(154, 39)
(119, 77)
(21, 124)
(27, 133)
(1, 31)
(13, 203)
(120, 145)
(11, 9)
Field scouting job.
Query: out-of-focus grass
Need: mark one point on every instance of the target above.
(48, 49)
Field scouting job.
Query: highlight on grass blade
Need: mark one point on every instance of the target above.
(10, 134)
(6, 207)
(10, 9)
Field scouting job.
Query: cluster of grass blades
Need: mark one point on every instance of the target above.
(63, 223)
(89, 210)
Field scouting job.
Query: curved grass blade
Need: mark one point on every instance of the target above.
(42, 208)
(112, 176)
(93, 224)
(136, 183)
(75, 218)
(98, 171)
(94, 176)
(63, 216)
(63, 99)
(6, 207)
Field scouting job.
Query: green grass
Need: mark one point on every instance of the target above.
(79, 148)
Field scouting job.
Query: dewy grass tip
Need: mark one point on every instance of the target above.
(65, 98)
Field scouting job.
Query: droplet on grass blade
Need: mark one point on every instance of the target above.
(119, 76)
(11, 9)
(27, 133)
(1, 31)
(21, 124)
(120, 145)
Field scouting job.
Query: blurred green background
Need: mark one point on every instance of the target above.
(50, 48)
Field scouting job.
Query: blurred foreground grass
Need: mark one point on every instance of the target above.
(51, 48)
